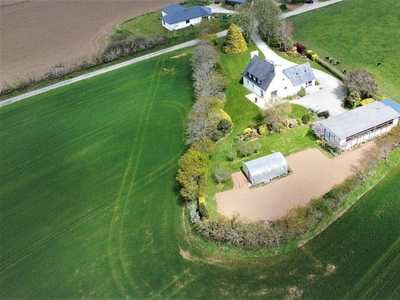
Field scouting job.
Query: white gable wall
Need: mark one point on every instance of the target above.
(281, 84)
(183, 24)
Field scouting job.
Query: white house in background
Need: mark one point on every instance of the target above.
(361, 124)
(175, 17)
(267, 80)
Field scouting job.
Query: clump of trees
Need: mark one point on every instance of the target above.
(207, 123)
(207, 117)
(208, 74)
(267, 16)
(193, 168)
(234, 42)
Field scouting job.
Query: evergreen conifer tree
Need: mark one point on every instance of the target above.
(234, 41)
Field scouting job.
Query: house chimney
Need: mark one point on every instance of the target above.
(252, 53)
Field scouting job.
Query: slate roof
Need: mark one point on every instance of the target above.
(176, 13)
(360, 119)
(262, 70)
(170, 9)
(299, 74)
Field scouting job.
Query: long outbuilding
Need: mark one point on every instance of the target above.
(361, 124)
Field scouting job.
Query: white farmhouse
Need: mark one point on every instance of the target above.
(175, 17)
(268, 81)
(361, 124)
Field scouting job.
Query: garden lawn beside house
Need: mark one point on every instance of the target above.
(358, 33)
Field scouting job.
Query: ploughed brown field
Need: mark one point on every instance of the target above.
(36, 35)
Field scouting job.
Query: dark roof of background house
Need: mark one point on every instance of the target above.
(261, 69)
(299, 74)
(176, 14)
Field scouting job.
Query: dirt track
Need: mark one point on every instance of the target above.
(38, 34)
(313, 174)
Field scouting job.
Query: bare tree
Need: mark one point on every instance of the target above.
(276, 113)
(370, 157)
(246, 20)
(360, 81)
(284, 33)
(221, 175)
(386, 143)
(318, 129)
(267, 14)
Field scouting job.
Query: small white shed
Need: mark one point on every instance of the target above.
(266, 168)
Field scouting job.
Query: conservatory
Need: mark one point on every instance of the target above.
(266, 168)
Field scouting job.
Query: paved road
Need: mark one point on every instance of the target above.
(215, 8)
(308, 7)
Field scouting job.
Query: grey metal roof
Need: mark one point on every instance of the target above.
(262, 70)
(299, 74)
(179, 15)
(360, 119)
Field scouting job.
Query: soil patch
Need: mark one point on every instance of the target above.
(37, 35)
(313, 174)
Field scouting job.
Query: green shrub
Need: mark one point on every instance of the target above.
(217, 135)
(263, 130)
(305, 119)
(301, 93)
(292, 54)
(212, 37)
(323, 114)
(283, 7)
(203, 207)
(245, 149)
(367, 101)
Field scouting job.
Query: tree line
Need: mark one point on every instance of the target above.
(207, 123)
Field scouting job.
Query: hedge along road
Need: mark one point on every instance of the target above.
(101, 71)
(299, 10)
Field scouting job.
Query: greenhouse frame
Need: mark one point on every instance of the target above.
(266, 168)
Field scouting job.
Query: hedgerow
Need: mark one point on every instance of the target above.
(112, 52)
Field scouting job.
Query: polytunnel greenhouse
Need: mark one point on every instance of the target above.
(266, 168)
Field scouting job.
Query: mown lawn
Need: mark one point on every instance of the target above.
(90, 206)
(358, 33)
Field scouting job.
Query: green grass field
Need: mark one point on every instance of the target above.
(90, 207)
(358, 33)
